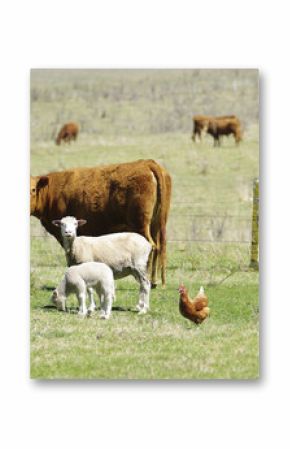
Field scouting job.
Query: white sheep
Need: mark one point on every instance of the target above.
(126, 253)
(79, 278)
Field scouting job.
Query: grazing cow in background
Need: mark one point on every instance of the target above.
(200, 125)
(217, 126)
(132, 197)
(68, 132)
(225, 126)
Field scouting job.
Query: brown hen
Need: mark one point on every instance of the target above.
(195, 309)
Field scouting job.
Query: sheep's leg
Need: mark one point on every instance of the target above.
(82, 302)
(144, 292)
(92, 306)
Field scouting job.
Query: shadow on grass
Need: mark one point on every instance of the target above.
(48, 288)
(74, 310)
(123, 309)
(51, 308)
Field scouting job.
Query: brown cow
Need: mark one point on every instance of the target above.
(216, 127)
(132, 196)
(225, 126)
(200, 124)
(68, 132)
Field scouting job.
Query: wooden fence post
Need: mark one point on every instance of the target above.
(255, 227)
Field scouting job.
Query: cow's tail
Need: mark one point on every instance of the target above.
(163, 180)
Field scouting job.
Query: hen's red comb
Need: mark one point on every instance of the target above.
(181, 288)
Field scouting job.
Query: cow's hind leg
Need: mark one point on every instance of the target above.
(141, 213)
(155, 254)
(216, 141)
(154, 268)
(148, 236)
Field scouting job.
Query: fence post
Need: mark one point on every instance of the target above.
(255, 227)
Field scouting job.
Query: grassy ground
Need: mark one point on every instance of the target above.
(125, 116)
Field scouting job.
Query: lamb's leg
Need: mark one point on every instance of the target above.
(102, 304)
(82, 301)
(100, 294)
(144, 292)
(92, 306)
(108, 305)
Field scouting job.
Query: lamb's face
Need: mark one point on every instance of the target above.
(58, 300)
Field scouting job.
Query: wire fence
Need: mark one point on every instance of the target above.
(224, 224)
(206, 231)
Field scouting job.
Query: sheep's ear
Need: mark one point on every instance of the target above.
(56, 222)
(81, 222)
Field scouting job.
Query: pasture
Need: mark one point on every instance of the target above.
(129, 115)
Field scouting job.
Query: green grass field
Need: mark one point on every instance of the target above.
(147, 114)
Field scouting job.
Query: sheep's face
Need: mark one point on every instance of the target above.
(58, 300)
(68, 226)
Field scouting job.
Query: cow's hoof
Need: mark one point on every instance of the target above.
(153, 285)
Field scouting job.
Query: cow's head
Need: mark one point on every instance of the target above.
(37, 184)
(68, 226)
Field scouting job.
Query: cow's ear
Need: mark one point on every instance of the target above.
(56, 222)
(81, 222)
(42, 182)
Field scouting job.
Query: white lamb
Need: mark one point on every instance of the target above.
(126, 253)
(79, 278)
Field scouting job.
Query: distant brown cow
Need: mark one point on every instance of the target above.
(200, 125)
(68, 132)
(132, 196)
(217, 126)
